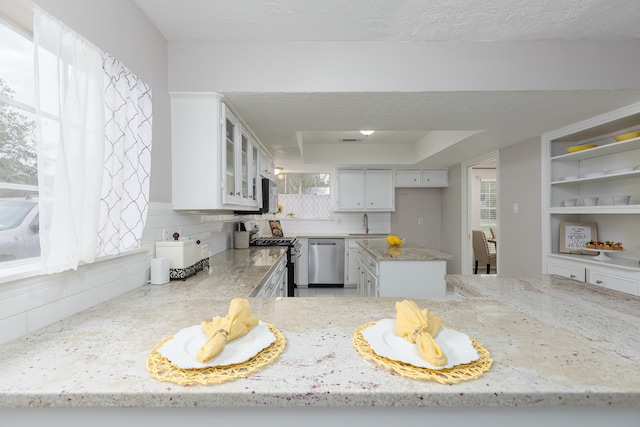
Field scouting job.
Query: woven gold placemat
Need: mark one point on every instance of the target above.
(161, 369)
(454, 375)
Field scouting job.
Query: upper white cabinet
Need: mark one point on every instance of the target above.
(421, 178)
(574, 176)
(267, 165)
(365, 190)
(215, 158)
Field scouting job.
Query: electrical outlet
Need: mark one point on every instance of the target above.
(420, 221)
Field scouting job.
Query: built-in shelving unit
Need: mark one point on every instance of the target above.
(610, 168)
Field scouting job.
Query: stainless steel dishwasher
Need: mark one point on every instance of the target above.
(326, 262)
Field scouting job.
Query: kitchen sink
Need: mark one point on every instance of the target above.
(368, 236)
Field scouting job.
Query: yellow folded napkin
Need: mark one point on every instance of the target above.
(221, 330)
(419, 327)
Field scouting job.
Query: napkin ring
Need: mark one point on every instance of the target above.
(419, 330)
(225, 332)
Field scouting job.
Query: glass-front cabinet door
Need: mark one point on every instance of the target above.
(256, 185)
(245, 159)
(231, 190)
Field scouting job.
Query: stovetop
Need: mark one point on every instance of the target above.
(273, 241)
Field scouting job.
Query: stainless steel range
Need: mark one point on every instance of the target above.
(292, 255)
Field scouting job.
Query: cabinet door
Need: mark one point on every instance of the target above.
(244, 158)
(231, 192)
(615, 281)
(353, 270)
(266, 164)
(434, 178)
(408, 178)
(351, 190)
(379, 190)
(255, 190)
(567, 270)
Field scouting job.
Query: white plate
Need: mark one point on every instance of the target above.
(384, 342)
(181, 350)
(592, 174)
(622, 170)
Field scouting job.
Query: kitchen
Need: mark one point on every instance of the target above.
(596, 93)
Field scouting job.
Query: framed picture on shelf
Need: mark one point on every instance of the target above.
(574, 236)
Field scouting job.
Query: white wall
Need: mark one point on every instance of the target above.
(413, 204)
(452, 219)
(402, 67)
(519, 174)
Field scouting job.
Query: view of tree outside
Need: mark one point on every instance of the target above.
(17, 147)
(304, 183)
(19, 216)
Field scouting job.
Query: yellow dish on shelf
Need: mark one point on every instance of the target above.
(575, 148)
(628, 135)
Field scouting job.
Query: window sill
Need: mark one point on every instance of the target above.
(31, 268)
(20, 271)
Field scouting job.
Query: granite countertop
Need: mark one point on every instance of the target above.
(381, 251)
(554, 342)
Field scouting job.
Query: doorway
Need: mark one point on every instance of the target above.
(480, 206)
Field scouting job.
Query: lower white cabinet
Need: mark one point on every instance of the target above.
(409, 279)
(614, 280)
(577, 272)
(275, 285)
(352, 272)
(596, 273)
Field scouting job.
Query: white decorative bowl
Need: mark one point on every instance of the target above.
(569, 202)
(621, 200)
(590, 201)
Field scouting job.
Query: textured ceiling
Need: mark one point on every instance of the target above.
(394, 20)
(309, 125)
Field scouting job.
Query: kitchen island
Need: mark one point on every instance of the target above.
(563, 351)
(410, 270)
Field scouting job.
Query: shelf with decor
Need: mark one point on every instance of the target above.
(591, 175)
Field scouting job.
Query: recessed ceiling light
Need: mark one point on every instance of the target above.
(367, 132)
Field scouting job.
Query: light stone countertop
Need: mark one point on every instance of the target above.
(554, 342)
(381, 251)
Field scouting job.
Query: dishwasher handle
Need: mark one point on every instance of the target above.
(323, 243)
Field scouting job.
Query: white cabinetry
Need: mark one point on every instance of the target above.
(411, 279)
(421, 178)
(610, 168)
(275, 285)
(352, 272)
(368, 275)
(365, 190)
(215, 158)
(267, 165)
(606, 275)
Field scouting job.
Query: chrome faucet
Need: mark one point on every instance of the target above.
(366, 224)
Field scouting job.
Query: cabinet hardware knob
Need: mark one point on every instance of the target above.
(599, 282)
(573, 276)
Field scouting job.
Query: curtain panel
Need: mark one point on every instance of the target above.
(127, 165)
(94, 149)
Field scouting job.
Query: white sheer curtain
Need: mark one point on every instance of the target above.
(71, 154)
(94, 149)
